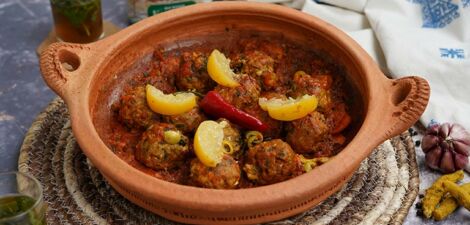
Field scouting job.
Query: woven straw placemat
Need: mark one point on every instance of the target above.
(380, 192)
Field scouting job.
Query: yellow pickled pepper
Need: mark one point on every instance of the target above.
(462, 197)
(435, 193)
(448, 205)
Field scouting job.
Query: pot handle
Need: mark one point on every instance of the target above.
(408, 98)
(59, 63)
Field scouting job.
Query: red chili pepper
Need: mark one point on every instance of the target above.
(214, 105)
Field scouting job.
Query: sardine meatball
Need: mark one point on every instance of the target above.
(260, 66)
(271, 162)
(133, 109)
(244, 96)
(259, 59)
(309, 134)
(318, 85)
(187, 122)
(193, 73)
(225, 175)
(163, 71)
(162, 147)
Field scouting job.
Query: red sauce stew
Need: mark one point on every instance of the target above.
(268, 68)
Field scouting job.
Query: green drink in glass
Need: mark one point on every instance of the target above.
(78, 21)
(21, 200)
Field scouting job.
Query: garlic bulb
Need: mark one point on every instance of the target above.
(447, 147)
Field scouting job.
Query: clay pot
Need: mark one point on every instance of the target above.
(389, 107)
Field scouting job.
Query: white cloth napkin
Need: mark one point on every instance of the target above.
(429, 38)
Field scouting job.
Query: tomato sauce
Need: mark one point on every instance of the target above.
(276, 67)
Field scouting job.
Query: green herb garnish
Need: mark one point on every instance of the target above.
(14, 205)
(78, 11)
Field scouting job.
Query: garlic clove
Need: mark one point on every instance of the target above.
(444, 130)
(445, 145)
(428, 142)
(433, 157)
(447, 162)
(461, 148)
(460, 161)
(458, 133)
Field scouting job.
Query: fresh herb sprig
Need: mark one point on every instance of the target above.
(78, 11)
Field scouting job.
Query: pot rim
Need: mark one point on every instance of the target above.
(77, 97)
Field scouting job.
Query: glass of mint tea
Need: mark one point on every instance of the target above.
(21, 201)
(78, 21)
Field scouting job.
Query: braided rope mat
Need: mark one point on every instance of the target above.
(380, 192)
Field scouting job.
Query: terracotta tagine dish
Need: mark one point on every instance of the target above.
(229, 112)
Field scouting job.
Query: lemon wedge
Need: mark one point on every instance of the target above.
(289, 109)
(208, 142)
(218, 67)
(171, 104)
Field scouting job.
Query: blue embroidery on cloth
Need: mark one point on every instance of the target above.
(432, 123)
(452, 53)
(466, 3)
(438, 13)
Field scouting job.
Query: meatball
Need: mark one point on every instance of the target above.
(271, 162)
(225, 175)
(318, 85)
(258, 65)
(244, 96)
(310, 134)
(163, 71)
(260, 59)
(232, 136)
(134, 111)
(167, 64)
(188, 121)
(193, 73)
(164, 84)
(154, 151)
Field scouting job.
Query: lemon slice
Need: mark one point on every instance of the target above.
(208, 142)
(171, 104)
(289, 109)
(218, 67)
